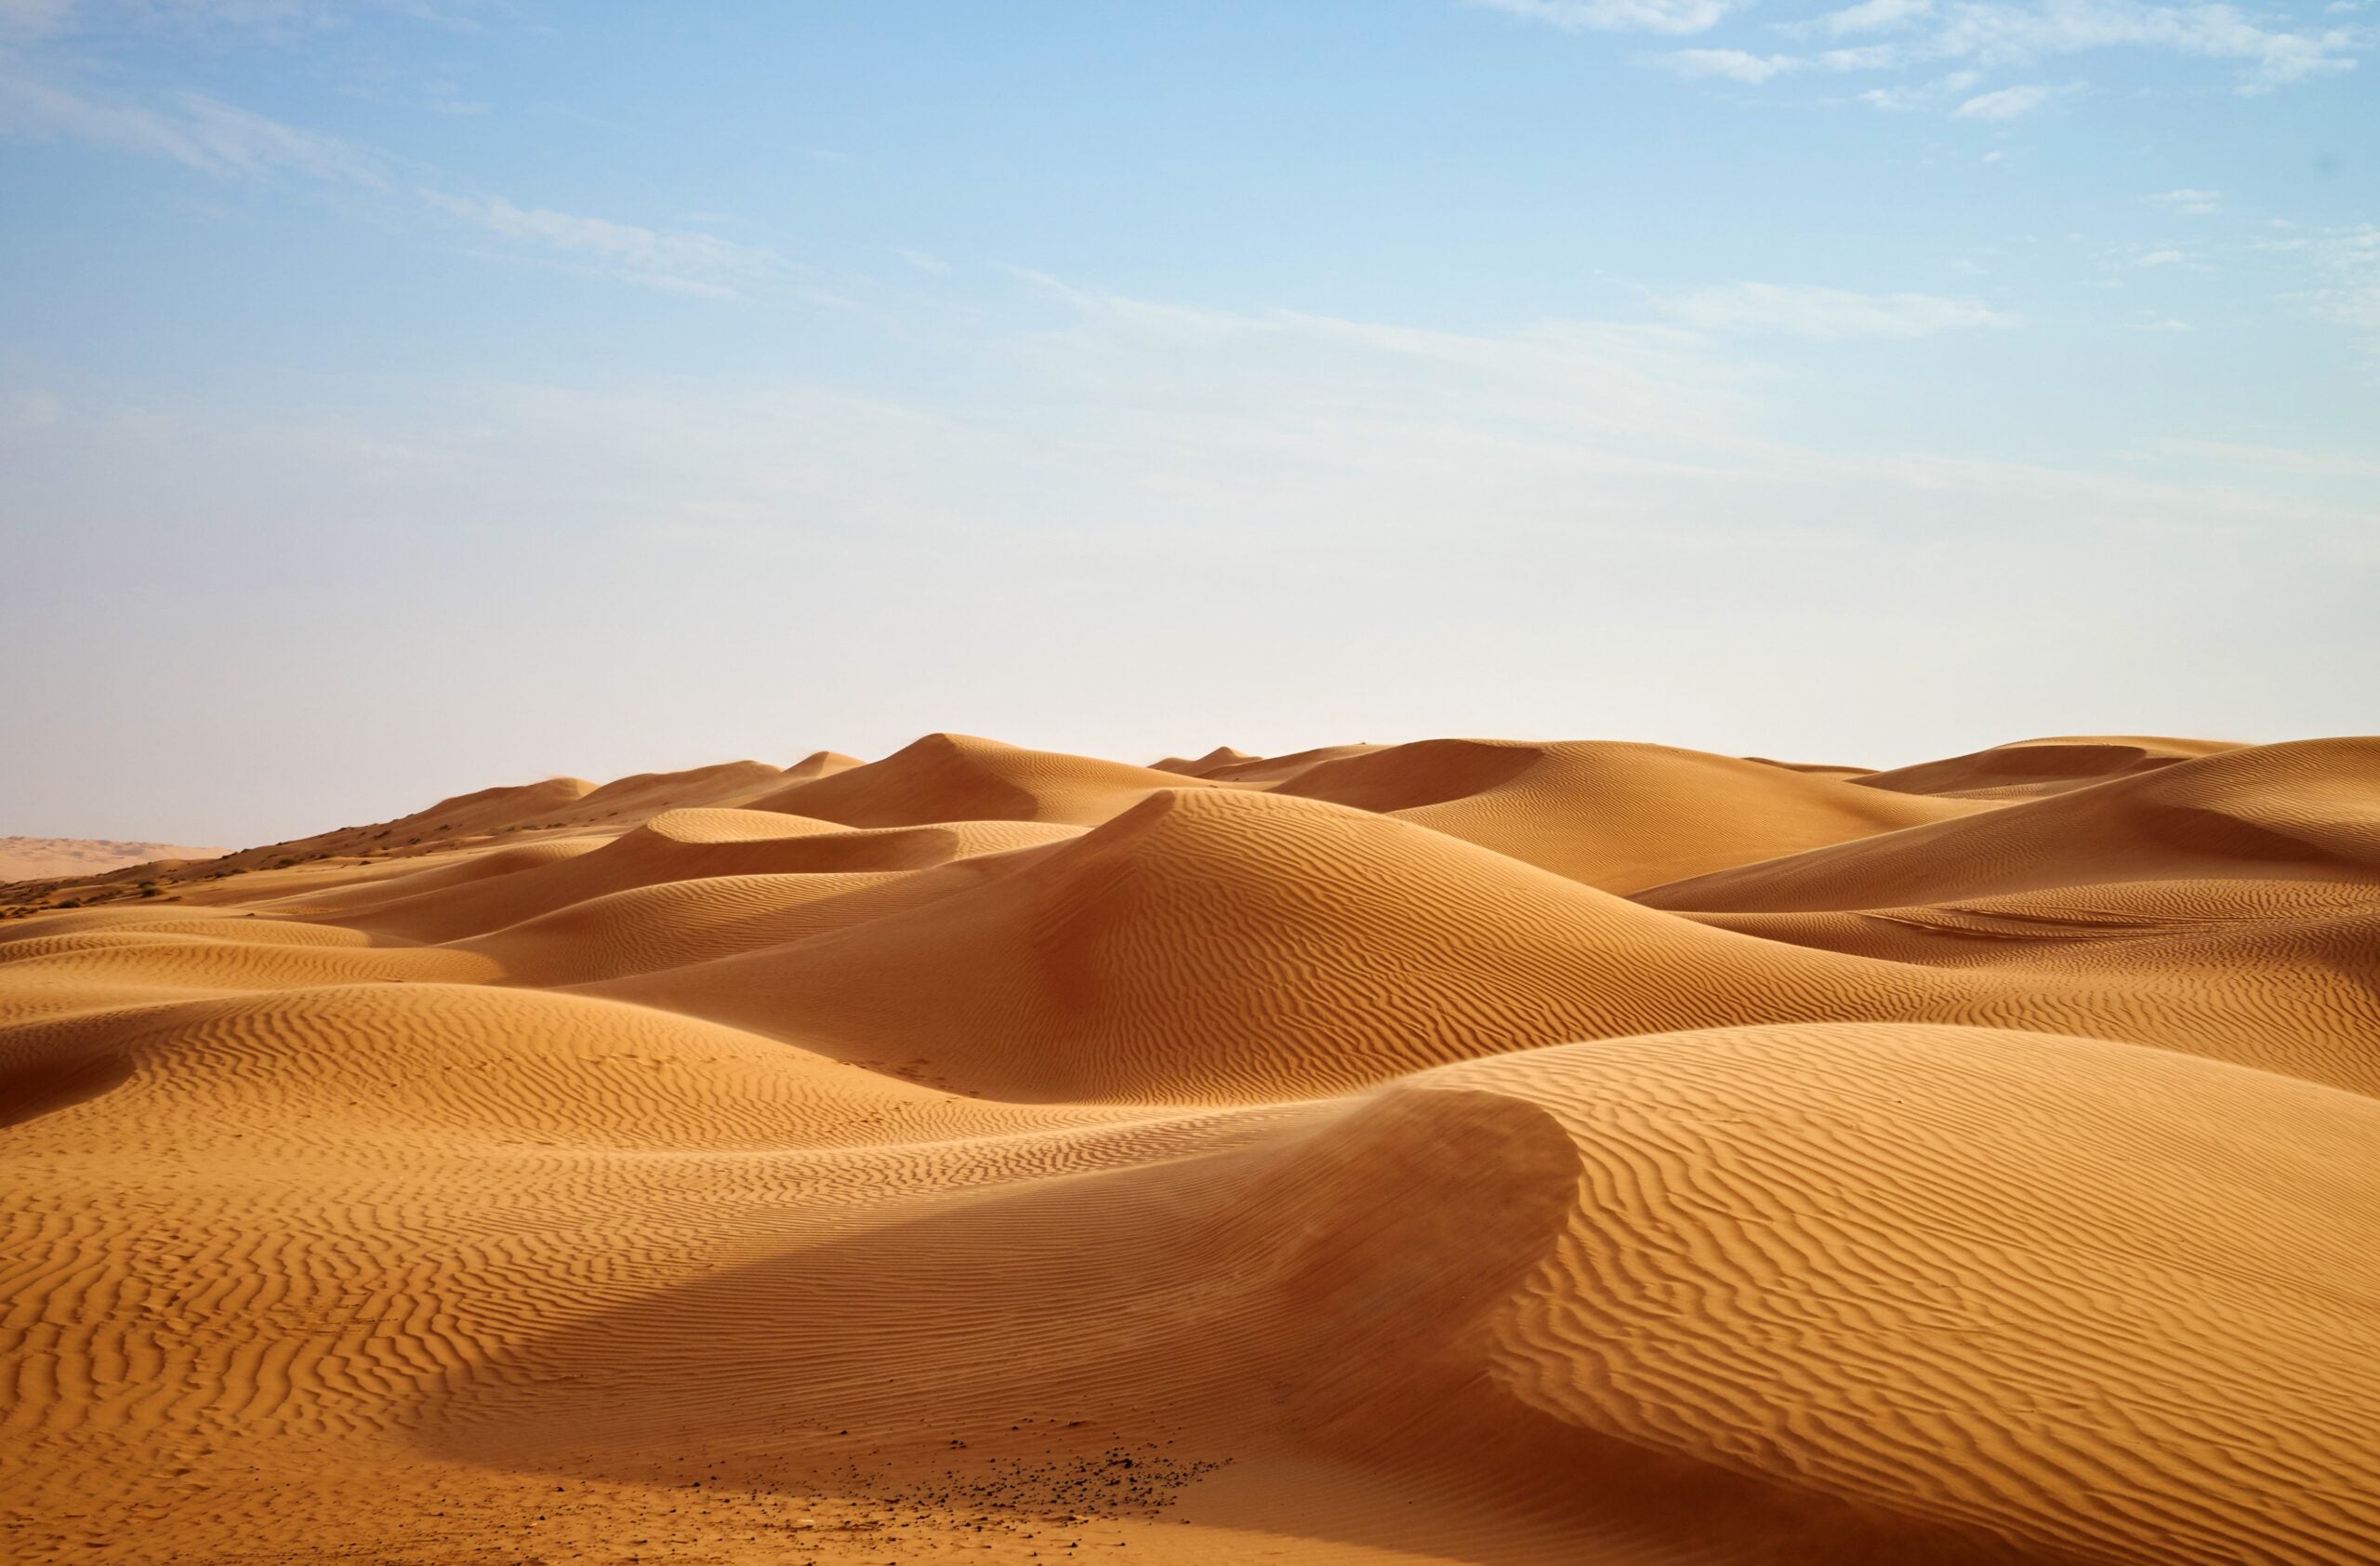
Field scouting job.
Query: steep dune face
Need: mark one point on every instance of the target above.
(1614, 815)
(989, 1151)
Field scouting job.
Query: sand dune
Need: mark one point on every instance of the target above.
(1015, 1155)
(2030, 768)
(1214, 945)
(1221, 756)
(956, 777)
(1275, 769)
(675, 846)
(44, 859)
(1617, 817)
(2309, 811)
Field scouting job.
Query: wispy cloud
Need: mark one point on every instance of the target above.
(2191, 202)
(1735, 65)
(1986, 34)
(1999, 32)
(1870, 15)
(2006, 103)
(690, 263)
(1922, 95)
(1826, 314)
(2349, 261)
(189, 129)
(37, 19)
(1616, 16)
(2277, 460)
(225, 142)
(33, 18)
(1175, 471)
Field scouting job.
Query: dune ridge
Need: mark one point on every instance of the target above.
(1463, 1150)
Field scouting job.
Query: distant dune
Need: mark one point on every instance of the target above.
(39, 858)
(1467, 1150)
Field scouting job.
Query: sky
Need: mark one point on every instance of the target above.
(399, 399)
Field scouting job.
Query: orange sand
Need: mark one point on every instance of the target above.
(1466, 1151)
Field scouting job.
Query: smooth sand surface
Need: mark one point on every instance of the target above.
(1470, 1150)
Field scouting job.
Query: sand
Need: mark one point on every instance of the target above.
(1469, 1151)
(47, 859)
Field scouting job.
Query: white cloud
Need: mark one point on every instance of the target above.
(2163, 259)
(1871, 15)
(1733, 64)
(1826, 314)
(2161, 323)
(2007, 103)
(1616, 16)
(2191, 202)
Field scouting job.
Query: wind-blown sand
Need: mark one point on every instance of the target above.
(1465, 1150)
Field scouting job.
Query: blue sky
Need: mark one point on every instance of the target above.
(399, 398)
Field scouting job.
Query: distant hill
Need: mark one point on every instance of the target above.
(40, 859)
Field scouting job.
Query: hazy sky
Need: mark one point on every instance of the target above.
(398, 399)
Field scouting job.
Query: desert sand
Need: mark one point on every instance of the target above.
(46, 859)
(1469, 1151)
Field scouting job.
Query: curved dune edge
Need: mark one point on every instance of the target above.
(1306, 1157)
